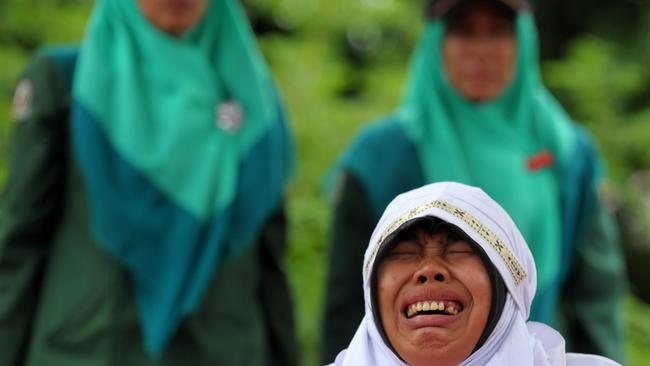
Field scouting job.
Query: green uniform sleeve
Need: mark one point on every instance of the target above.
(30, 200)
(276, 296)
(594, 291)
(352, 226)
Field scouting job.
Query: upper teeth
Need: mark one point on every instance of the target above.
(429, 306)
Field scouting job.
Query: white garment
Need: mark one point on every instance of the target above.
(513, 341)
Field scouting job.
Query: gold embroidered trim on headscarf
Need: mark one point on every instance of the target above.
(515, 268)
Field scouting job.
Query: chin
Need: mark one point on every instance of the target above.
(481, 97)
(480, 92)
(430, 347)
(176, 27)
(427, 359)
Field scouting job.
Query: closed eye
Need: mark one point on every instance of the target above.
(405, 248)
(459, 247)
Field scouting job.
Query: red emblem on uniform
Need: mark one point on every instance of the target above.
(540, 160)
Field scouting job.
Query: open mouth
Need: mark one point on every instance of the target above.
(433, 308)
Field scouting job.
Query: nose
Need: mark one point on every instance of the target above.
(431, 270)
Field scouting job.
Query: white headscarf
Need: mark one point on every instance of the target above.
(513, 341)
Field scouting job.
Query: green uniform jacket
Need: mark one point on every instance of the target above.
(64, 301)
(590, 314)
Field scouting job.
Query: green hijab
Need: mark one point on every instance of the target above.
(154, 94)
(491, 144)
(183, 148)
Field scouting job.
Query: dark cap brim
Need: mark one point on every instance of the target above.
(440, 8)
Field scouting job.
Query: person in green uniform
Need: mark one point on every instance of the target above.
(475, 111)
(142, 221)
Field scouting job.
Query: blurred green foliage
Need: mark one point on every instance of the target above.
(599, 89)
(340, 63)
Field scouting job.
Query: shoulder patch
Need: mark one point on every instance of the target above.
(230, 116)
(23, 99)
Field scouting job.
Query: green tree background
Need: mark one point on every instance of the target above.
(340, 63)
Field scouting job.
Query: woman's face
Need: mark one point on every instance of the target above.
(173, 16)
(479, 52)
(421, 275)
